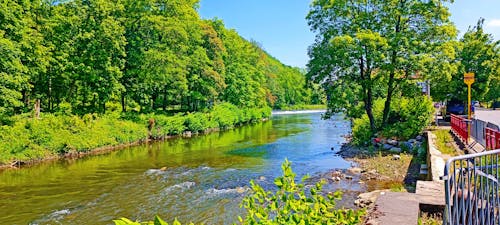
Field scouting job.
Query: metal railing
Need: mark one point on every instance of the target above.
(477, 131)
(472, 189)
(459, 127)
(492, 138)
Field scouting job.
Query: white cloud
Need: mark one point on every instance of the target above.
(494, 23)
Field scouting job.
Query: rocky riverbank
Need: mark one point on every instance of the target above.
(388, 165)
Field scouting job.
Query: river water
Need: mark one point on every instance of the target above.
(204, 181)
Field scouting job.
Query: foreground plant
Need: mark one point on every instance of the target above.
(157, 221)
(292, 203)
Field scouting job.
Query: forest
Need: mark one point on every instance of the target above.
(83, 74)
(91, 56)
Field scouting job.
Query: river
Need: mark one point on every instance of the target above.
(204, 181)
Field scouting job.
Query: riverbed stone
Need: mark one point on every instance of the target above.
(406, 144)
(354, 170)
(387, 146)
(419, 138)
(395, 150)
(367, 199)
(187, 134)
(392, 142)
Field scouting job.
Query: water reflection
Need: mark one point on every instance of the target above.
(204, 180)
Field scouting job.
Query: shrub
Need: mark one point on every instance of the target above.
(226, 115)
(408, 118)
(25, 138)
(197, 122)
(157, 221)
(291, 205)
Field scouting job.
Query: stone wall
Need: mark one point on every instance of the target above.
(435, 160)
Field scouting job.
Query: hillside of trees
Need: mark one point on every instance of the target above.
(92, 56)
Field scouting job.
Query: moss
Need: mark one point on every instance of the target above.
(444, 142)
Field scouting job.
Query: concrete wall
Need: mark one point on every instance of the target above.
(435, 160)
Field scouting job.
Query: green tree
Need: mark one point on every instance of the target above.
(371, 49)
(22, 52)
(480, 54)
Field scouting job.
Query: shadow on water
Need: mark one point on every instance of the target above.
(204, 179)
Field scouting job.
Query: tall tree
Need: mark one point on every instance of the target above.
(373, 47)
(479, 54)
(99, 52)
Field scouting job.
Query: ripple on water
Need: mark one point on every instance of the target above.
(213, 192)
(53, 217)
(179, 187)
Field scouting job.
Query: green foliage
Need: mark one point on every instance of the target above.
(479, 53)
(145, 55)
(290, 204)
(369, 50)
(29, 139)
(409, 117)
(157, 221)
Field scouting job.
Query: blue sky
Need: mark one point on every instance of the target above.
(281, 28)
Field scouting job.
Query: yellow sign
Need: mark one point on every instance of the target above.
(469, 78)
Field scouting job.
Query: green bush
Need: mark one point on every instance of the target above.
(408, 118)
(290, 204)
(226, 115)
(157, 221)
(197, 122)
(25, 138)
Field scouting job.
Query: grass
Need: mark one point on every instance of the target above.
(385, 166)
(430, 219)
(444, 142)
(396, 175)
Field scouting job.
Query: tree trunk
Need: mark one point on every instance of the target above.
(165, 100)
(390, 84)
(368, 93)
(388, 99)
(124, 104)
(368, 108)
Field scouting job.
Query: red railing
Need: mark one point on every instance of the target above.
(459, 127)
(492, 138)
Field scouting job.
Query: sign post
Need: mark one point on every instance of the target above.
(469, 80)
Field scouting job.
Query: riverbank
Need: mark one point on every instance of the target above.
(381, 170)
(30, 141)
(208, 171)
(289, 112)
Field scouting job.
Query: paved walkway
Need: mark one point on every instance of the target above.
(396, 208)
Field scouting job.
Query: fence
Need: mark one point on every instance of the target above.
(459, 127)
(472, 189)
(477, 131)
(492, 138)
